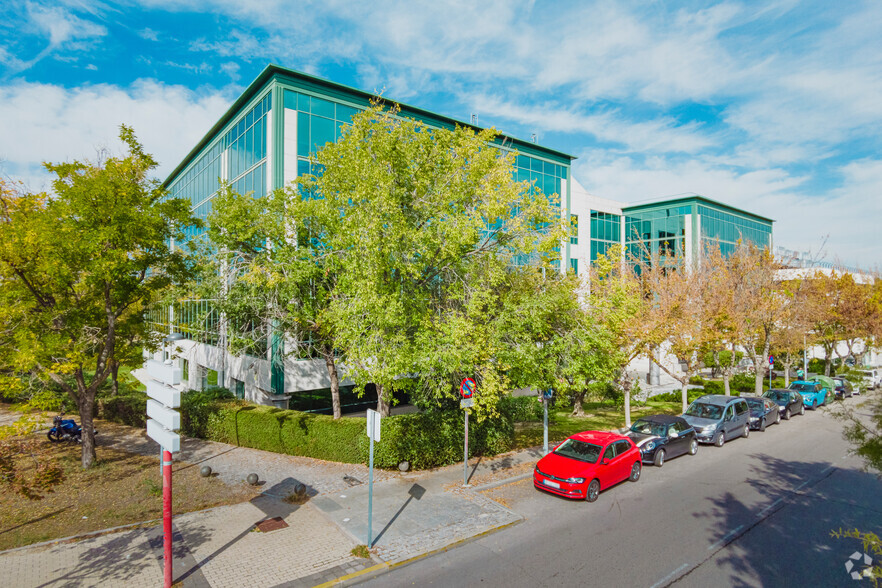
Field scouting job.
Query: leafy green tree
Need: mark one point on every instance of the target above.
(78, 266)
(261, 269)
(419, 228)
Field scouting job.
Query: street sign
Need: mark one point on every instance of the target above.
(169, 440)
(373, 425)
(467, 388)
(771, 360)
(168, 418)
(547, 394)
(165, 395)
(466, 402)
(163, 372)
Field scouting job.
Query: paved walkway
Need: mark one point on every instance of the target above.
(413, 514)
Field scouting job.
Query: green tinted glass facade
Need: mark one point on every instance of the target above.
(723, 229)
(242, 150)
(606, 231)
(690, 225)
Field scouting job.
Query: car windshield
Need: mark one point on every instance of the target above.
(802, 387)
(776, 396)
(839, 382)
(579, 450)
(645, 427)
(704, 411)
(755, 402)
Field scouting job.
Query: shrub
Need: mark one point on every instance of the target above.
(697, 380)
(520, 409)
(129, 410)
(677, 396)
(196, 408)
(714, 387)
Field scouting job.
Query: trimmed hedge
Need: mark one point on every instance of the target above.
(426, 440)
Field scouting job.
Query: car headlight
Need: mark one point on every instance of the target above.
(575, 480)
(710, 428)
(649, 446)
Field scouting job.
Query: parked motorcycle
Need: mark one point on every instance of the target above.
(65, 430)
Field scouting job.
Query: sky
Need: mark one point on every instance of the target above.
(773, 107)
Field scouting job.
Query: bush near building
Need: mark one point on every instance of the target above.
(426, 440)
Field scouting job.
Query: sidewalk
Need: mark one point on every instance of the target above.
(414, 513)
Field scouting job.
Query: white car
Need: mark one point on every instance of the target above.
(871, 378)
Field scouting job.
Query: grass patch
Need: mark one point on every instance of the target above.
(122, 488)
(361, 551)
(600, 416)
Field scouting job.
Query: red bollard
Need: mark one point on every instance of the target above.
(167, 514)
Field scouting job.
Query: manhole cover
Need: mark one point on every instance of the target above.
(271, 525)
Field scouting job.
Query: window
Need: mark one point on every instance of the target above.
(574, 229)
(741, 408)
(185, 368)
(239, 388)
(610, 451)
(622, 447)
(574, 265)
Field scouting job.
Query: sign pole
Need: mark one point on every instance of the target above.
(370, 493)
(465, 458)
(167, 514)
(545, 426)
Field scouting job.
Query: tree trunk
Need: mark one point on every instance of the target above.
(85, 406)
(758, 388)
(685, 392)
(114, 382)
(828, 363)
(726, 386)
(335, 382)
(787, 373)
(578, 399)
(384, 407)
(626, 388)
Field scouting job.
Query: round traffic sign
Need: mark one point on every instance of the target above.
(467, 388)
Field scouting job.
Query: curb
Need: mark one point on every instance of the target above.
(383, 568)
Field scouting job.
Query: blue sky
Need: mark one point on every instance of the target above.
(774, 107)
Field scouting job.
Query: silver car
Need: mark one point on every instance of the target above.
(717, 418)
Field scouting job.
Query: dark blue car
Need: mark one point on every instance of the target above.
(662, 436)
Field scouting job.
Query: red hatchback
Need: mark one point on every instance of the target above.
(587, 463)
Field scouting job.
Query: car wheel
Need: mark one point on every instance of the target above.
(659, 459)
(593, 491)
(635, 471)
(811, 405)
(802, 409)
(721, 438)
(762, 426)
(787, 414)
(693, 447)
(778, 417)
(746, 432)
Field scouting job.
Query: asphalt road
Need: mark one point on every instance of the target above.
(756, 512)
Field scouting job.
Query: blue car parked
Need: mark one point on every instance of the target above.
(814, 394)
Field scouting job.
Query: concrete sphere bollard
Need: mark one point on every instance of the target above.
(205, 471)
(252, 479)
(299, 489)
(404, 466)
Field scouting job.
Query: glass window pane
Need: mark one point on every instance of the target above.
(523, 161)
(290, 99)
(302, 134)
(321, 107)
(322, 132)
(303, 103)
(345, 113)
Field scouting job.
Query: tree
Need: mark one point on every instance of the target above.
(74, 267)
(259, 268)
(822, 306)
(766, 302)
(676, 314)
(726, 314)
(614, 303)
(419, 227)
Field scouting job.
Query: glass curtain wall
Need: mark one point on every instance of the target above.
(606, 231)
(724, 230)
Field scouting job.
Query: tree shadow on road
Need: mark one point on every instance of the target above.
(785, 539)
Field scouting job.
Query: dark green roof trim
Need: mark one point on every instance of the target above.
(298, 80)
(694, 199)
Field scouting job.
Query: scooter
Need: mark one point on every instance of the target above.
(65, 430)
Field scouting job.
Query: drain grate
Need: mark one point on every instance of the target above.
(352, 481)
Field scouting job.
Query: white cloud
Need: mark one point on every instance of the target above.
(44, 122)
(61, 28)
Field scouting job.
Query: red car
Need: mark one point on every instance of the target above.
(575, 469)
